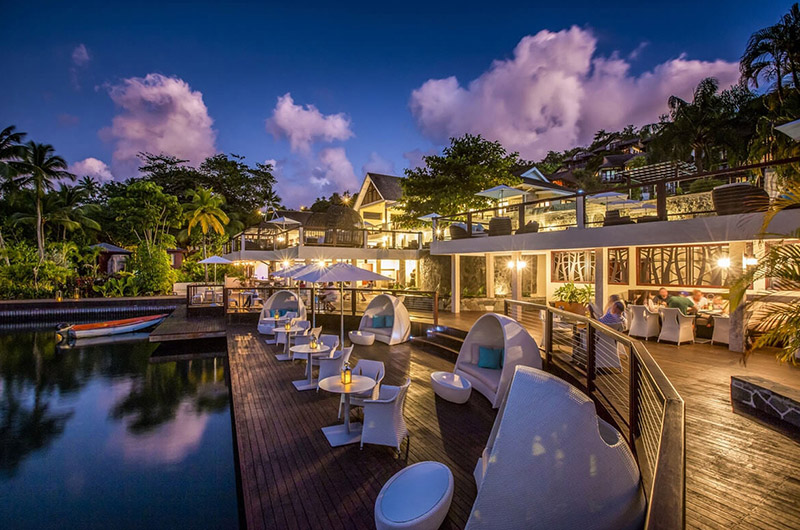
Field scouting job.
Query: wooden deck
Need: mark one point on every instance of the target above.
(178, 327)
(292, 478)
(739, 473)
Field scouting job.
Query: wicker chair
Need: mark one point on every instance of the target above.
(457, 232)
(500, 226)
(531, 227)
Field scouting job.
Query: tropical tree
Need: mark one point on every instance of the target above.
(39, 168)
(447, 184)
(143, 213)
(10, 149)
(204, 211)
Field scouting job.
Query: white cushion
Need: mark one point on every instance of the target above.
(487, 376)
(414, 491)
(386, 332)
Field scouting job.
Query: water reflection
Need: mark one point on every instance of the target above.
(102, 424)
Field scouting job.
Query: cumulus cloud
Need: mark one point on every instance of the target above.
(555, 93)
(91, 167)
(303, 125)
(334, 172)
(159, 114)
(301, 179)
(80, 55)
(378, 164)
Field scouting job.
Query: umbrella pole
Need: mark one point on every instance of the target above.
(341, 312)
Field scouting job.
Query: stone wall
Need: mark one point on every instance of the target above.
(772, 402)
(435, 273)
(473, 276)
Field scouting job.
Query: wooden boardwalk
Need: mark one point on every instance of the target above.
(178, 327)
(292, 478)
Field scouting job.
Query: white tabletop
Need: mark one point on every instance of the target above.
(274, 318)
(293, 329)
(306, 348)
(359, 384)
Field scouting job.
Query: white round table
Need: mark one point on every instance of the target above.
(417, 497)
(308, 384)
(362, 338)
(451, 387)
(281, 329)
(348, 433)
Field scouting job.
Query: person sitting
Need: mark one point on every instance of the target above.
(718, 303)
(615, 316)
(646, 298)
(329, 297)
(682, 302)
(662, 298)
(700, 301)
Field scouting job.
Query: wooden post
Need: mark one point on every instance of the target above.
(521, 214)
(469, 224)
(661, 200)
(455, 283)
(548, 336)
(580, 211)
(435, 308)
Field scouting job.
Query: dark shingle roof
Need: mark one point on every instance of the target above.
(114, 249)
(388, 186)
(617, 160)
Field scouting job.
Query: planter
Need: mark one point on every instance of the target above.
(571, 307)
(739, 198)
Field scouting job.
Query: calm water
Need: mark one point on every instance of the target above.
(98, 437)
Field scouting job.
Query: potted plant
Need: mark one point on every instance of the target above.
(572, 298)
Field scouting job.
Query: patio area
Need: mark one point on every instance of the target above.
(739, 473)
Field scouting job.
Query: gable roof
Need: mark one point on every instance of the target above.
(610, 161)
(387, 185)
(113, 249)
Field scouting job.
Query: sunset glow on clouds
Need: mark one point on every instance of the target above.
(555, 93)
(305, 124)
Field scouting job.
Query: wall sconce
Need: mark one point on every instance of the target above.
(724, 263)
(519, 264)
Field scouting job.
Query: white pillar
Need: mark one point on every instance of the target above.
(489, 275)
(516, 277)
(600, 277)
(542, 277)
(737, 335)
(455, 283)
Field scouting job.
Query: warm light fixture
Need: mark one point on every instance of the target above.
(286, 263)
(751, 261)
(724, 263)
(519, 264)
(281, 239)
(347, 374)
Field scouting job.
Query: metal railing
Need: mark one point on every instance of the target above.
(420, 304)
(662, 199)
(204, 294)
(257, 238)
(630, 390)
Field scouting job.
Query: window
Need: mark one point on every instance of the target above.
(371, 195)
(573, 266)
(682, 266)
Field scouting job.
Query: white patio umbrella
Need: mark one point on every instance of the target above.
(429, 217)
(606, 197)
(300, 270)
(501, 192)
(283, 222)
(791, 129)
(216, 260)
(287, 272)
(341, 272)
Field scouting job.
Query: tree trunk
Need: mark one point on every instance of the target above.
(205, 265)
(39, 229)
(779, 75)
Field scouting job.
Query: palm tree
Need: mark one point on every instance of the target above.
(779, 321)
(39, 167)
(10, 149)
(91, 186)
(72, 208)
(205, 211)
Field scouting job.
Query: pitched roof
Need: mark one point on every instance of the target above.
(617, 160)
(387, 185)
(114, 249)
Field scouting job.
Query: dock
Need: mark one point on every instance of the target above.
(178, 327)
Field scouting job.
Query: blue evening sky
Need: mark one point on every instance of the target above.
(361, 59)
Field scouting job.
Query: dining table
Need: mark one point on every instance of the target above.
(346, 433)
(306, 349)
(285, 356)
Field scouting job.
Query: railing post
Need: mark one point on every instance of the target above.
(661, 200)
(436, 308)
(590, 358)
(313, 302)
(469, 224)
(419, 240)
(633, 401)
(352, 300)
(580, 210)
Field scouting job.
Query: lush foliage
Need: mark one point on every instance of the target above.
(571, 293)
(447, 183)
(154, 272)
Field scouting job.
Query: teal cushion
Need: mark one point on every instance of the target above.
(490, 358)
(378, 321)
(388, 321)
(282, 312)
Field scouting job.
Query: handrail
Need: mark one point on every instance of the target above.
(636, 395)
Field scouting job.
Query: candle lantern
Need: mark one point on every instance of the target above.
(313, 342)
(59, 296)
(287, 326)
(347, 374)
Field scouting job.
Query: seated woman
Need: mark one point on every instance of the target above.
(647, 299)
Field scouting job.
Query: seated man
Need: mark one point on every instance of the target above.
(682, 302)
(700, 301)
(662, 297)
(615, 315)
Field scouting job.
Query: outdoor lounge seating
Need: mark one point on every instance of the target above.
(459, 230)
(739, 197)
(500, 226)
(490, 333)
(416, 497)
(372, 369)
(330, 366)
(387, 318)
(551, 462)
(281, 302)
(531, 227)
(614, 218)
(383, 417)
(644, 323)
(675, 326)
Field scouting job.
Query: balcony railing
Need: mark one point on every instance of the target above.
(638, 202)
(258, 239)
(629, 389)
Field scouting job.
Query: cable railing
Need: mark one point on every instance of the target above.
(669, 194)
(630, 390)
(318, 300)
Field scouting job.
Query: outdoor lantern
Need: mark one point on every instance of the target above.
(59, 296)
(287, 326)
(347, 374)
(313, 343)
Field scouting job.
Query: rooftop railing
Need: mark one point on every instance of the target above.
(629, 389)
(662, 199)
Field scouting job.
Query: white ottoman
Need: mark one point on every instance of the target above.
(451, 387)
(417, 497)
(362, 338)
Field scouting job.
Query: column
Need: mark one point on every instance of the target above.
(489, 275)
(516, 284)
(737, 335)
(600, 277)
(542, 275)
(455, 283)
(401, 271)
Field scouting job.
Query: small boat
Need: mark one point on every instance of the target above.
(75, 344)
(111, 327)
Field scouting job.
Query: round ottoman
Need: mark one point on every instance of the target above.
(451, 387)
(416, 497)
(362, 338)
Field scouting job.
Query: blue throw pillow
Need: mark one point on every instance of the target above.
(388, 321)
(378, 321)
(489, 357)
(282, 312)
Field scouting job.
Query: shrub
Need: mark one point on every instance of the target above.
(153, 273)
(706, 184)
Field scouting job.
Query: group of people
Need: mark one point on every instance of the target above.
(688, 303)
